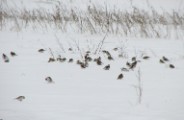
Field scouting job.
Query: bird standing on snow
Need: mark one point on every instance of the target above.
(146, 57)
(61, 59)
(115, 49)
(128, 64)
(98, 61)
(171, 66)
(84, 64)
(124, 69)
(13, 54)
(165, 59)
(120, 76)
(5, 58)
(41, 50)
(161, 61)
(70, 49)
(70, 60)
(133, 65)
(20, 98)
(110, 57)
(49, 80)
(133, 59)
(51, 60)
(107, 67)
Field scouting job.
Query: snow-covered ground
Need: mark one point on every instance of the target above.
(91, 93)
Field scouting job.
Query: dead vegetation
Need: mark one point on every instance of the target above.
(96, 20)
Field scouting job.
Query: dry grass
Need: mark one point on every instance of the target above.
(133, 23)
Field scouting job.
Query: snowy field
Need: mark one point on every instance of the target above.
(153, 89)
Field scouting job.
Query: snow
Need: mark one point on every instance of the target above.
(91, 93)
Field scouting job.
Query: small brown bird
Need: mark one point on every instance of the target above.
(70, 49)
(99, 62)
(61, 59)
(128, 64)
(13, 54)
(120, 55)
(5, 58)
(107, 67)
(161, 61)
(115, 49)
(41, 50)
(96, 59)
(87, 58)
(51, 60)
(146, 57)
(165, 59)
(106, 52)
(133, 65)
(120, 76)
(171, 66)
(133, 58)
(88, 52)
(70, 60)
(79, 62)
(83, 65)
(20, 98)
(49, 80)
(110, 57)
(124, 69)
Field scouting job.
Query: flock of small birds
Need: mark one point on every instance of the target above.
(165, 60)
(5, 57)
(87, 58)
(130, 65)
